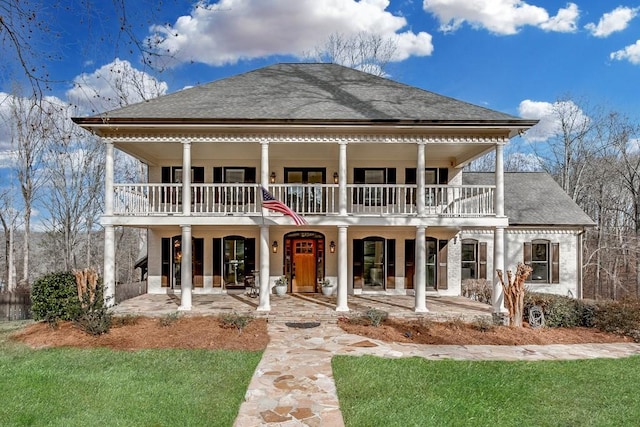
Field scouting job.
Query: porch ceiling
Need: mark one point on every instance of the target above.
(162, 153)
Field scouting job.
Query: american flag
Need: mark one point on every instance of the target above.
(270, 202)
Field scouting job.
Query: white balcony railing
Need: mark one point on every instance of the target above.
(305, 199)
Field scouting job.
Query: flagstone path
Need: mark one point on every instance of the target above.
(293, 384)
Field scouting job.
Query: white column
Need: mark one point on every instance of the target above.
(420, 285)
(264, 163)
(499, 194)
(186, 178)
(343, 275)
(497, 297)
(108, 179)
(264, 303)
(109, 273)
(420, 202)
(342, 179)
(186, 276)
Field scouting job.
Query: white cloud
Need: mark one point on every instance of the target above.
(113, 85)
(7, 158)
(231, 30)
(500, 16)
(616, 20)
(549, 116)
(631, 53)
(565, 21)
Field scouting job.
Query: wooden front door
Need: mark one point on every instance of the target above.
(304, 265)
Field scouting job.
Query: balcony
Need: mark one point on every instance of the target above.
(305, 199)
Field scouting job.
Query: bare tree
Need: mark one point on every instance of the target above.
(75, 170)
(8, 219)
(623, 136)
(366, 52)
(30, 122)
(566, 155)
(29, 31)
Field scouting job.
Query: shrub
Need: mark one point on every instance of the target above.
(561, 311)
(375, 316)
(54, 297)
(477, 290)
(619, 317)
(169, 319)
(95, 322)
(126, 320)
(94, 317)
(483, 324)
(235, 320)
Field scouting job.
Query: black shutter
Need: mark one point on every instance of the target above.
(358, 178)
(198, 260)
(166, 261)
(250, 175)
(198, 175)
(410, 179)
(409, 263)
(217, 175)
(250, 178)
(391, 179)
(358, 257)
(527, 253)
(217, 262)
(166, 174)
(410, 176)
(217, 179)
(249, 256)
(482, 260)
(443, 176)
(443, 279)
(391, 264)
(555, 263)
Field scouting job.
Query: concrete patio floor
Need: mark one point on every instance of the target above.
(304, 306)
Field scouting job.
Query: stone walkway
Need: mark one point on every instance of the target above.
(293, 383)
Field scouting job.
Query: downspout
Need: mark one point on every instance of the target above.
(580, 238)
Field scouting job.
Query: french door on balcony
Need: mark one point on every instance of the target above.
(305, 198)
(174, 175)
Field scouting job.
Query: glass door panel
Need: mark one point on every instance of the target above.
(432, 256)
(373, 263)
(234, 268)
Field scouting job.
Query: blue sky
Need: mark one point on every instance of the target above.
(513, 56)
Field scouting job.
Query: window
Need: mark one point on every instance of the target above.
(432, 177)
(543, 257)
(234, 194)
(173, 175)
(474, 259)
(375, 194)
(304, 198)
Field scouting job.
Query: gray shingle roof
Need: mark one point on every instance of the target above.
(533, 198)
(308, 91)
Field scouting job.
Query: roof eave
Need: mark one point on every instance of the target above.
(515, 126)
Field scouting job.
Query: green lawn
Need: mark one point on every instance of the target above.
(75, 387)
(417, 392)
